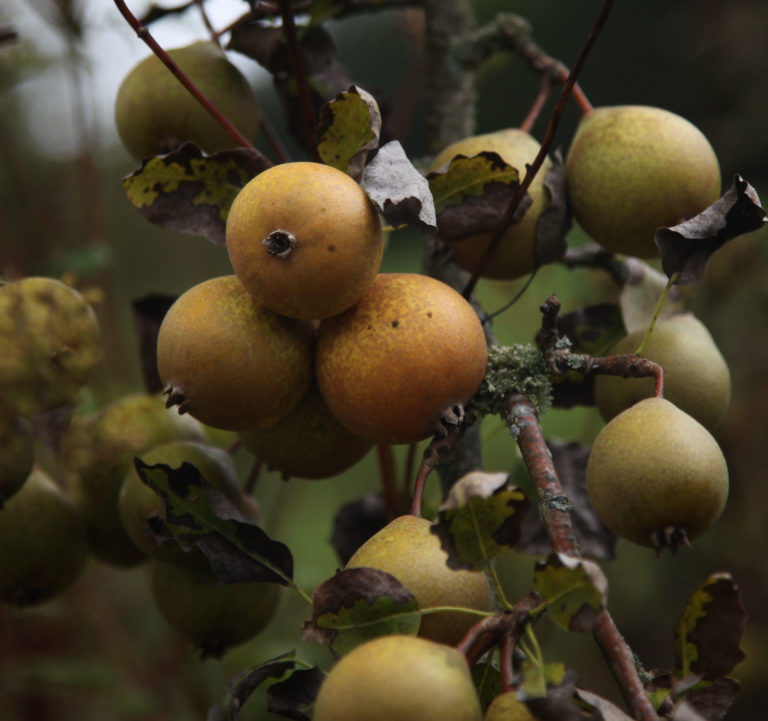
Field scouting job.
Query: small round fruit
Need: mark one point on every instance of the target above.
(43, 549)
(407, 549)
(211, 615)
(16, 455)
(51, 342)
(308, 443)
(696, 376)
(632, 169)
(155, 113)
(507, 707)
(399, 677)
(98, 450)
(656, 476)
(304, 239)
(516, 254)
(230, 362)
(137, 502)
(409, 351)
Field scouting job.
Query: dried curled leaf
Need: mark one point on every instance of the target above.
(686, 248)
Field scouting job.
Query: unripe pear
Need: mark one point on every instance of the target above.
(16, 455)
(49, 344)
(308, 443)
(515, 255)
(137, 502)
(408, 550)
(230, 362)
(98, 450)
(696, 376)
(408, 352)
(211, 615)
(304, 239)
(43, 548)
(155, 113)
(656, 476)
(632, 169)
(402, 678)
(507, 707)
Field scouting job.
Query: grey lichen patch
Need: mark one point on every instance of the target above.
(517, 368)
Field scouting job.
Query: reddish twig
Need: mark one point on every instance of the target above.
(538, 104)
(144, 34)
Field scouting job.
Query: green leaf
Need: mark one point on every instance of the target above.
(197, 514)
(348, 128)
(709, 631)
(536, 678)
(573, 590)
(480, 518)
(487, 679)
(359, 604)
(191, 192)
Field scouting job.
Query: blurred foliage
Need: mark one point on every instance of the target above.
(102, 651)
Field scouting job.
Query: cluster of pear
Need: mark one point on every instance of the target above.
(308, 350)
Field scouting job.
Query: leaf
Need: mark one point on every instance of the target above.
(358, 604)
(555, 220)
(472, 194)
(711, 699)
(197, 514)
(709, 631)
(607, 710)
(245, 683)
(295, 696)
(686, 248)
(191, 192)
(592, 329)
(640, 295)
(399, 191)
(560, 703)
(480, 518)
(487, 679)
(355, 522)
(573, 590)
(538, 677)
(348, 128)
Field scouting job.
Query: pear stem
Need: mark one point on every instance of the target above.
(143, 33)
(388, 481)
(656, 311)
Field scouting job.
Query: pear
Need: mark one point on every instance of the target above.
(16, 455)
(49, 344)
(632, 169)
(43, 548)
(98, 451)
(211, 615)
(408, 550)
(308, 443)
(137, 502)
(507, 707)
(656, 476)
(155, 113)
(402, 678)
(696, 376)
(515, 255)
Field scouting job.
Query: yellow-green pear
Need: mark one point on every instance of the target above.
(408, 550)
(696, 376)
(399, 678)
(507, 707)
(656, 476)
(155, 113)
(632, 169)
(16, 455)
(515, 255)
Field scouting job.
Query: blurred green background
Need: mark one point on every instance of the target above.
(102, 651)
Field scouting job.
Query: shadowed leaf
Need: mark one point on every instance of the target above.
(355, 522)
(640, 295)
(555, 220)
(295, 697)
(191, 192)
(686, 248)
(608, 711)
(487, 678)
(358, 604)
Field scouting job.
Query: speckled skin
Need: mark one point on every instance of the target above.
(399, 678)
(409, 551)
(632, 169)
(42, 543)
(696, 376)
(339, 239)
(515, 255)
(654, 467)
(390, 365)
(237, 364)
(154, 112)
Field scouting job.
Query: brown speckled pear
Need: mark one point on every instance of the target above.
(516, 254)
(409, 350)
(632, 169)
(304, 239)
(656, 476)
(408, 550)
